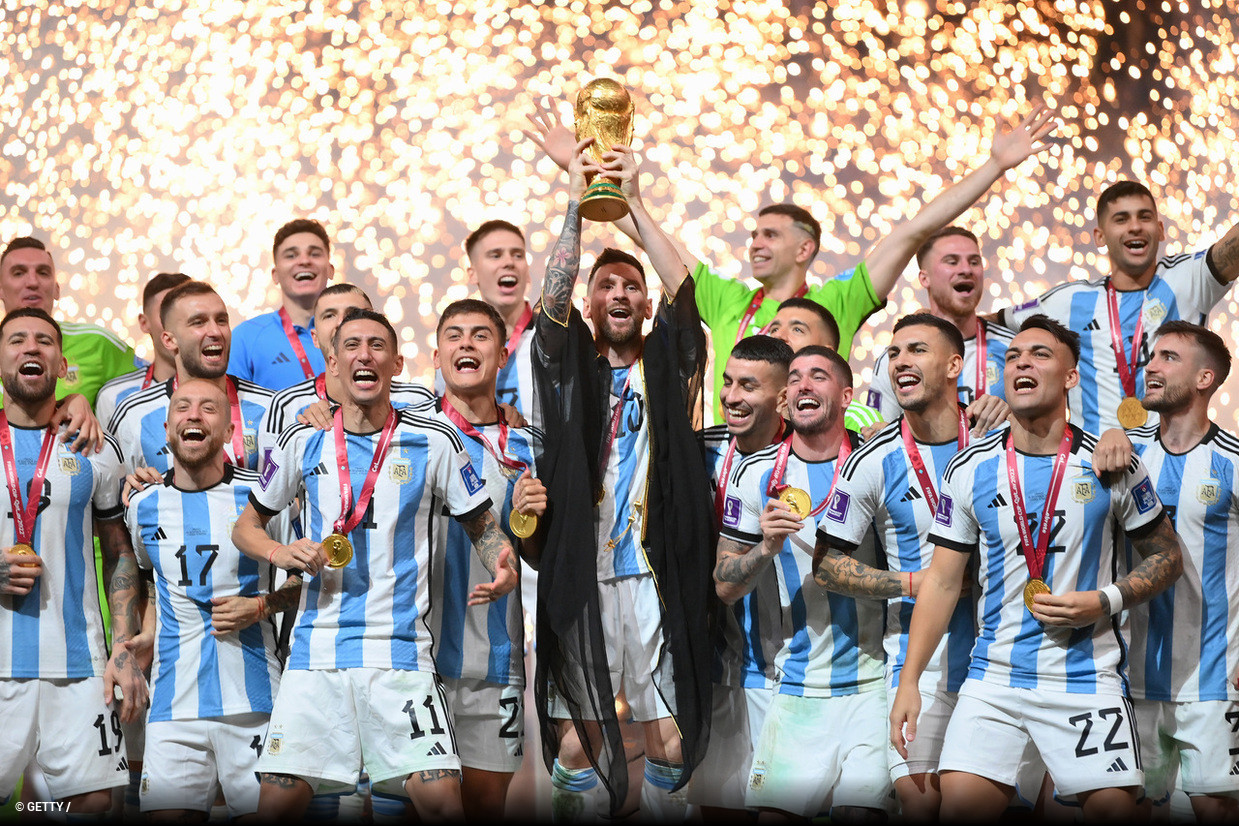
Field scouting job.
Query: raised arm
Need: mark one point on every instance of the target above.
(1226, 255)
(565, 260)
(886, 261)
(657, 245)
(738, 566)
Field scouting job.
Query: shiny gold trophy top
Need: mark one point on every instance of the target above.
(603, 112)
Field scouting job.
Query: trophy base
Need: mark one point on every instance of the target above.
(602, 202)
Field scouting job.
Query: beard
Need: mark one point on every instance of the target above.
(28, 391)
(195, 367)
(611, 334)
(1173, 397)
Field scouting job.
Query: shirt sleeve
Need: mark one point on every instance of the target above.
(1196, 285)
(109, 470)
(954, 525)
(852, 506)
(135, 533)
(280, 479)
(1135, 500)
(743, 504)
(240, 365)
(718, 297)
(881, 393)
(457, 481)
(850, 298)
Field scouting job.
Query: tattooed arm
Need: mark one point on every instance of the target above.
(1224, 255)
(495, 551)
(565, 260)
(836, 571)
(1162, 562)
(125, 593)
(230, 614)
(737, 569)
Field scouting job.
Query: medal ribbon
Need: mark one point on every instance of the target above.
(350, 517)
(1034, 554)
(24, 517)
(754, 306)
(294, 341)
(982, 386)
(1127, 374)
(471, 430)
(918, 464)
(149, 377)
(521, 325)
(720, 491)
(238, 423)
(776, 486)
(320, 386)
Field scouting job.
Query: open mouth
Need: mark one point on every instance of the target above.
(304, 275)
(964, 287)
(1136, 244)
(508, 281)
(1024, 383)
(808, 403)
(193, 434)
(31, 368)
(907, 381)
(737, 415)
(1154, 384)
(619, 312)
(213, 351)
(467, 364)
(365, 376)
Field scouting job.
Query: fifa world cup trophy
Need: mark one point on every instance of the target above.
(604, 112)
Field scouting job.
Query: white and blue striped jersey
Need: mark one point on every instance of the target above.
(833, 643)
(185, 538)
(878, 492)
(1184, 641)
(113, 392)
(372, 613)
(975, 517)
(291, 402)
(753, 627)
(138, 424)
(1184, 287)
(620, 519)
(56, 630)
(882, 394)
(483, 642)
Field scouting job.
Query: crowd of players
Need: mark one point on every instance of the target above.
(975, 592)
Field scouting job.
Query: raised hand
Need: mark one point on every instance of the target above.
(1009, 149)
(551, 136)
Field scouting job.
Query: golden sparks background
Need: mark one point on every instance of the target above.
(138, 139)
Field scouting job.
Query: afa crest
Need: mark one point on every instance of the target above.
(1083, 489)
(73, 375)
(250, 437)
(70, 464)
(991, 376)
(1209, 491)
(400, 471)
(1155, 310)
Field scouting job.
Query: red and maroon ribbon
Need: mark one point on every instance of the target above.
(294, 341)
(24, 515)
(469, 429)
(918, 464)
(776, 486)
(982, 385)
(1126, 367)
(1034, 553)
(720, 491)
(521, 325)
(351, 516)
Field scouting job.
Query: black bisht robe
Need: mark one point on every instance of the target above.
(573, 386)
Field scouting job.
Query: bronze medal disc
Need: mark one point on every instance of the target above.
(522, 524)
(23, 549)
(339, 550)
(1132, 413)
(797, 501)
(1034, 587)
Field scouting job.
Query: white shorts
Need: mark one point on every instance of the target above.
(187, 761)
(1086, 741)
(326, 724)
(489, 721)
(1197, 742)
(73, 737)
(820, 752)
(923, 752)
(632, 629)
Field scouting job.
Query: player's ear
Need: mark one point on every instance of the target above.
(435, 359)
(1073, 377)
(142, 325)
(63, 369)
(333, 365)
(955, 366)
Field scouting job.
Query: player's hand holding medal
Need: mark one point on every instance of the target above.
(23, 571)
(528, 503)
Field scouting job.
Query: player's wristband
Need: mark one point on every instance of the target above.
(1115, 596)
(262, 606)
(271, 554)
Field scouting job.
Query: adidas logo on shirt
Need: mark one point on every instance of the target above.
(281, 359)
(997, 502)
(321, 470)
(1093, 325)
(911, 495)
(1117, 766)
(159, 534)
(1234, 770)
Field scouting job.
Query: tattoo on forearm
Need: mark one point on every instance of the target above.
(840, 573)
(284, 598)
(487, 539)
(1162, 564)
(1105, 604)
(437, 774)
(125, 593)
(1226, 253)
(282, 781)
(564, 265)
(736, 565)
(4, 574)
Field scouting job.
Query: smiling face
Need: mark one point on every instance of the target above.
(923, 367)
(365, 360)
(199, 423)
(499, 266)
(30, 360)
(199, 335)
(800, 328)
(953, 277)
(1131, 232)
(752, 391)
(470, 354)
(618, 303)
(1176, 372)
(1039, 372)
(28, 279)
(778, 247)
(816, 397)
(302, 266)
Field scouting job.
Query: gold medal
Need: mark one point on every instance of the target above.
(1034, 587)
(797, 501)
(522, 524)
(1132, 413)
(22, 549)
(339, 550)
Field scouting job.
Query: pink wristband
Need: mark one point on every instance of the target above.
(262, 606)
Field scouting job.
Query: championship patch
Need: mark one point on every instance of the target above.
(946, 507)
(837, 510)
(757, 779)
(1146, 499)
(731, 512)
(473, 483)
(1155, 310)
(68, 461)
(268, 471)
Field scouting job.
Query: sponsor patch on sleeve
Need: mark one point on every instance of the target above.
(731, 512)
(1146, 499)
(473, 482)
(946, 508)
(837, 510)
(269, 467)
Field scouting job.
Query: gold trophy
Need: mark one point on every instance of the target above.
(603, 112)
